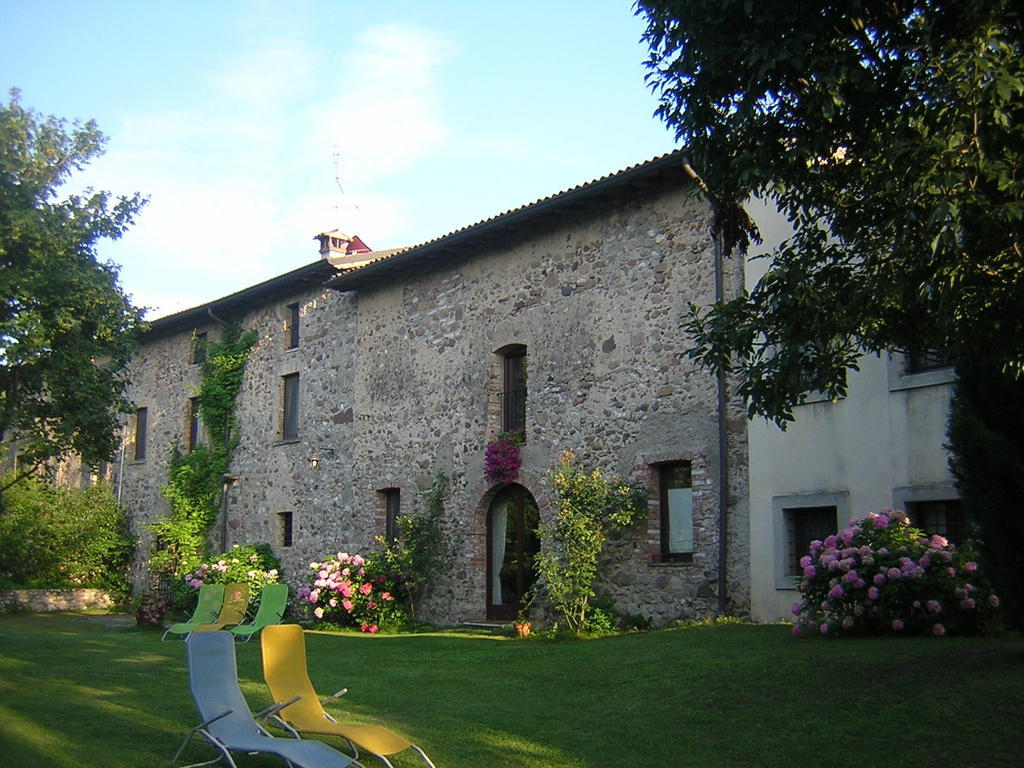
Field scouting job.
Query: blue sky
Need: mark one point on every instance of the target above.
(229, 115)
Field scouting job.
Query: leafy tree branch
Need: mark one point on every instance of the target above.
(67, 329)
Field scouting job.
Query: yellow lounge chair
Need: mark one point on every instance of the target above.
(232, 610)
(284, 669)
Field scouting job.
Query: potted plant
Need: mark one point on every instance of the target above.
(522, 623)
(502, 459)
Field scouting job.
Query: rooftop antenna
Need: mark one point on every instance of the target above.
(340, 202)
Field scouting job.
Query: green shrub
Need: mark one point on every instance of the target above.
(60, 538)
(589, 505)
(424, 550)
(252, 564)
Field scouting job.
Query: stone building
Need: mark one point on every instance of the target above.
(375, 372)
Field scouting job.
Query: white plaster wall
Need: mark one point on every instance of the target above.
(876, 440)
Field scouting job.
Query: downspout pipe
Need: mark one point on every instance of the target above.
(723, 431)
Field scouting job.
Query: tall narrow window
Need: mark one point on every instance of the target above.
(284, 521)
(141, 417)
(393, 508)
(199, 343)
(676, 493)
(195, 427)
(292, 326)
(513, 396)
(290, 407)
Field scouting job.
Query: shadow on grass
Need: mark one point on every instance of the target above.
(74, 692)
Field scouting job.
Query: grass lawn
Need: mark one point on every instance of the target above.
(75, 691)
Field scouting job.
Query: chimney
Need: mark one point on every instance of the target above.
(343, 251)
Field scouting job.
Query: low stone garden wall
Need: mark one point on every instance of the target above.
(46, 600)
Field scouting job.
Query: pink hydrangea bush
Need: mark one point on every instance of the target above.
(350, 590)
(880, 575)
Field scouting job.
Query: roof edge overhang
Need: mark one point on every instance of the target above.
(533, 214)
(217, 310)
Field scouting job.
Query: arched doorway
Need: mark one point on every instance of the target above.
(512, 546)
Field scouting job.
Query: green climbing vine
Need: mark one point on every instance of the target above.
(196, 478)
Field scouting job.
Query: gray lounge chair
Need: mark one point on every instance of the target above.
(227, 724)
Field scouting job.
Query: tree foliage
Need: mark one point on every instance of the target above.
(55, 538)
(67, 329)
(891, 133)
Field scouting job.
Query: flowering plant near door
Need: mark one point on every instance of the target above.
(502, 459)
(589, 506)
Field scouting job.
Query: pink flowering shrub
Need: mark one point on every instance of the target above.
(502, 459)
(881, 575)
(350, 590)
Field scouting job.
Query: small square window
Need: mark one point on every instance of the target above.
(944, 517)
(928, 360)
(804, 525)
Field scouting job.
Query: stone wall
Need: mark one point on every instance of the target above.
(272, 475)
(398, 383)
(597, 302)
(47, 600)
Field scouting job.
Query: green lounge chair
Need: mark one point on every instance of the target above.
(227, 724)
(273, 601)
(211, 598)
(232, 611)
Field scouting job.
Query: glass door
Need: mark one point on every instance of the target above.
(512, 546)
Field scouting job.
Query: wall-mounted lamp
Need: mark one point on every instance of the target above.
(314, 460)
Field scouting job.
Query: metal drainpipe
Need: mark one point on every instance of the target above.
(120, 464)
(723, 432)
(723, 453)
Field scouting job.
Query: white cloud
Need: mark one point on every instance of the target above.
(240, 178)
(386, 114)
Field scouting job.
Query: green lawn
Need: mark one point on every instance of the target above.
(77, 692)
